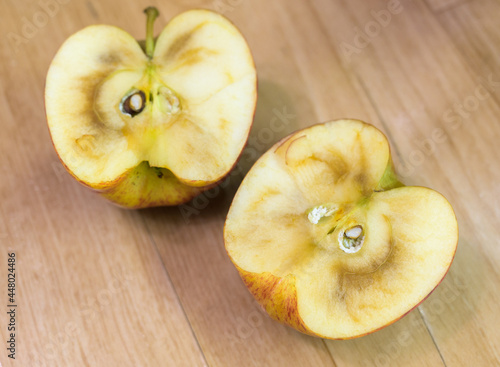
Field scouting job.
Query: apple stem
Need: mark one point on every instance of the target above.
(151, 14)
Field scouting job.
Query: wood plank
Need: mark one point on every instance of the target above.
(415, 72)
(443, 5)
(474, 32)
(91, 288)
(473, 29)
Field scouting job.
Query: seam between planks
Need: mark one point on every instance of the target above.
(431, 334)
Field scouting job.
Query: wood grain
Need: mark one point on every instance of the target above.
(100, 286)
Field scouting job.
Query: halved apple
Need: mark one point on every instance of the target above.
(152, 127)
(329, 241)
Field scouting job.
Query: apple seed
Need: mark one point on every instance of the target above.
(136, 102)
(133, 103)
(170, 102)
(354, 232)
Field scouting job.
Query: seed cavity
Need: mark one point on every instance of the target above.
(170, 102)
(351, 240)
(133, 103)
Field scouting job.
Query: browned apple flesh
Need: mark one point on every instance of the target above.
(329, 241)
(188, 109)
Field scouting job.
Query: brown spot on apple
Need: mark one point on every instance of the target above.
(182, 42)
(178, 45)
(112, 58)
(86, 143)
(89, 86)
(193, 56)
(338, 165)
(362, 180)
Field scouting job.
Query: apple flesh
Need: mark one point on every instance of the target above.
(153, 127)
(329, 241)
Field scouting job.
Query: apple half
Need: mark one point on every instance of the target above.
(156, 126)
(329, 241)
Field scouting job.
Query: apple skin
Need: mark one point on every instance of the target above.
(147, 187)
(143, 187)
(278, 298)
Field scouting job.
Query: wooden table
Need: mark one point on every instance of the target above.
(102, 286)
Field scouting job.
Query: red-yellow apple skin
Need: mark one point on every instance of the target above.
(278, 297)
(145, 186)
